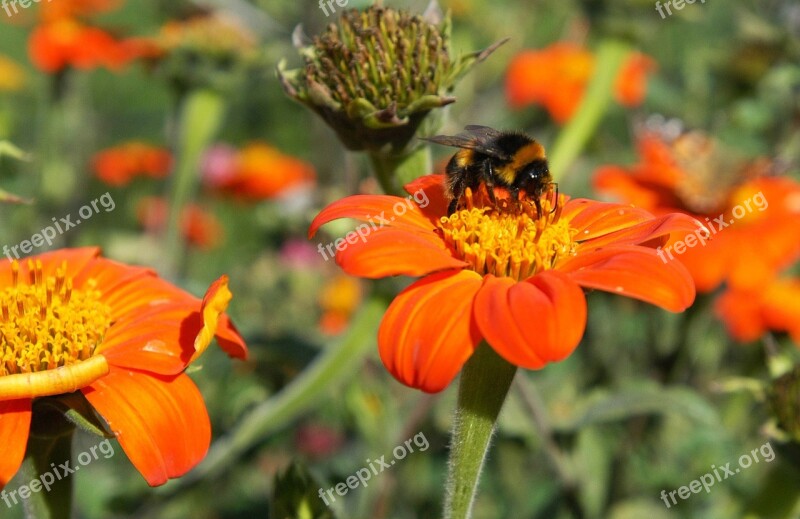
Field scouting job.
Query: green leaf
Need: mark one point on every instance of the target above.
(610, 407)
(6, 148)
(593, 456)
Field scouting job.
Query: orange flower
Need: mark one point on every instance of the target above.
(50, 11)
(556, 77)
(503, 274)
(749, 314)
(65, 42)
(119, 165)
(752, 218)
(631, 86)
(257, 172)
(339, 299)
(200, 228)
(73, 321)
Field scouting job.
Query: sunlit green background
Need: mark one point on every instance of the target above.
(649, 401)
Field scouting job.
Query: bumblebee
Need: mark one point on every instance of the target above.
(509, 160)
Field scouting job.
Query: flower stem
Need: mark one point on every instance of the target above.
(395, 171)
(45, 453)
(581, 127)
(200, 118)
(485, 381)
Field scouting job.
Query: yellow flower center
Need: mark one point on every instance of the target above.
(509, 239)
(45, 324)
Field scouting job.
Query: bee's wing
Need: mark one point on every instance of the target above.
(476, 138)
(483, 132)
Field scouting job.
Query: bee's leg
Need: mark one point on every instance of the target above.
(452, 207)
(538, 204)
(555, 202)
(488, 180)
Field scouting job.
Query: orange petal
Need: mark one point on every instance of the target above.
(15, 423)
(708, 265)
(592, 219)
(230, 340)
(161, 423)
(158, 340)
(741, 313)
(432, 188)
(644, 232)
(781, 309)
(392, 211)
(214, 304)
(636, 272)
(428, 333)
(392, 252)
(534, 322)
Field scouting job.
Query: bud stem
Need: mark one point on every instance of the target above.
(395, 171)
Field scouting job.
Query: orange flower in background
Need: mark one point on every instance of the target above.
(74, 321)
(339, 299)
(200, 228)
(50, 10)
(749, 314)
(556, 77)
(503, 274)
(119, 165)
(66, 42)
(753, 219)
(256, 172)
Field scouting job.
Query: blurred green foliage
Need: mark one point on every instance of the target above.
(649, 401)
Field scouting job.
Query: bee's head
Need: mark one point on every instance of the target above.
(535, 177)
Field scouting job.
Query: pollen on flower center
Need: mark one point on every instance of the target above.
(46, 324)
(509, 239)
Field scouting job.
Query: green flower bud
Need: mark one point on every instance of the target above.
(376, 75)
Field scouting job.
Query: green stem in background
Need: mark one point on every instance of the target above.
(538, 412)
(331, 368)
(485, 381)
(200, 118)
(395, 171)
(572, 139)
(64, 140)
